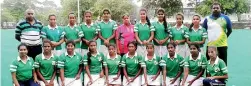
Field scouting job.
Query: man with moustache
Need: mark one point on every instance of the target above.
(28, 31)
(219, 28)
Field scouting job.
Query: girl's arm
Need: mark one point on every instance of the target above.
(177, 76)
(61, 72)
(139, 72)
(125, 73)
(221, 77)
(119, 73)
(35, 76)
(40, 76)
(117, 41)
(157, 74)
(188, 41)
(164, 75)
(151, 37)
(53, 76)
(106, 74)
(201, 42)
(88, 72)
(137, 38)
(80, 69)
(145, 75)
(199, 75)
(101, 37)
(60, 42)
(96, 37)
(13, 74)
(186, 71)
(113, 35)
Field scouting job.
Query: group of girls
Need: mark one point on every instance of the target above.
(126, 55)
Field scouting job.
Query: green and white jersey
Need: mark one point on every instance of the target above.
(70, 64)
(23, 69)
(173, 65)
(89, 33)
(53, 34)
(46, 66)
(144, 30)
(195, 65)
(160, 31)
(178, 33)
(73, 33)
(112, 64)
(95, 63)
(219, 68)
(106, 29)
(151, 65)
(132, 64)
(196, 35)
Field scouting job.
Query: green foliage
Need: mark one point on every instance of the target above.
(227, 7)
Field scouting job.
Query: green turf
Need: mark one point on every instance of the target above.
(239, 57)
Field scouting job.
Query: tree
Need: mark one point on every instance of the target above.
(227, 7)
(171, 6)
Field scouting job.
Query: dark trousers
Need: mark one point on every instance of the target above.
(28, 83)
(222, 53)
(214, 82)
(33, 51)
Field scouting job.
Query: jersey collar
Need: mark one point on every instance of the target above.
(127, 55)
(66, 54)
(197, 29)
(95, 55)
(199, 57)
(43, 57)
(180, 26)
(215, 62)
(175, 56)
(110, 20)
(52, 28)
(108, 56)
(154, 57)
(73, 26)
(19, 59)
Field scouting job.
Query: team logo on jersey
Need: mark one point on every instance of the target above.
(136, 61)
(155, 62)
(99, 58)
(216, 69)
(53, 62)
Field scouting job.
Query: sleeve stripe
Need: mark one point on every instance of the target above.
(13, 66)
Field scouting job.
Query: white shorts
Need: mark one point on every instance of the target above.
(149, 79)
(160, 50)
(118, 81)
(55, 82)
(84, 51)
(71, 82)
(136, 82)
(168, 83)
(183, 50)
(103, 49)
(78, 50)
(198, 82)
(97, 81)
(141, 50)
(57, 52)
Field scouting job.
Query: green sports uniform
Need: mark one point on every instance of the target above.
(46, 66)
(89, 33)
(73, 34)
(160, 32)
(70, 64)
(152, 65)
(173, 66)
(106, 29)
(144, 31)
(178, 33)
(53, 34)
(112, 64)
(95, 65)
(196, 35)
(23, 70)
(195, 65)
(132, 64)
(219, 68)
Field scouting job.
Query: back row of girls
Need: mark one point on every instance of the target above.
(144, 32)
(104, 70)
